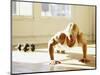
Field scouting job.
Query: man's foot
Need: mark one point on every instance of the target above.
(58, 51)
(63, 52)
(85, 60)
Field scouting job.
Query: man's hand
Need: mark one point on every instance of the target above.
(84, 60)
(53, 62)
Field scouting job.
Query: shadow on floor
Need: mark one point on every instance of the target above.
(78, 56)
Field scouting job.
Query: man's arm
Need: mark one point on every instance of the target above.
(83, 42)
(51, 51)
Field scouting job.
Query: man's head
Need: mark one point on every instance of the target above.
(72, 28)
(75, 29)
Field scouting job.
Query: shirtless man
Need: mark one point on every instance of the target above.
(68, 37)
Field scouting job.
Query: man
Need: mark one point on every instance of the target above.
(68, 37)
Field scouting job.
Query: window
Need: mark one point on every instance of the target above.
(55, 10)
(22, 8)
(45, 10)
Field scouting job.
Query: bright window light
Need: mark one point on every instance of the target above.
(22, 8)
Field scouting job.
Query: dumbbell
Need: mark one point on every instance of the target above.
(26, 48)
(20, 47)
(32, 47)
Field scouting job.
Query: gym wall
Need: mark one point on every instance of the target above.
(39, 29)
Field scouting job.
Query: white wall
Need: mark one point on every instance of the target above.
(36, 29)
(39, 29)
(84, 16)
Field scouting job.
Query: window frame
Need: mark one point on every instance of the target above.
(22, 16)
(56, 16)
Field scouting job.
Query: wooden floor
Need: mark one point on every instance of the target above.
(38, 61)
